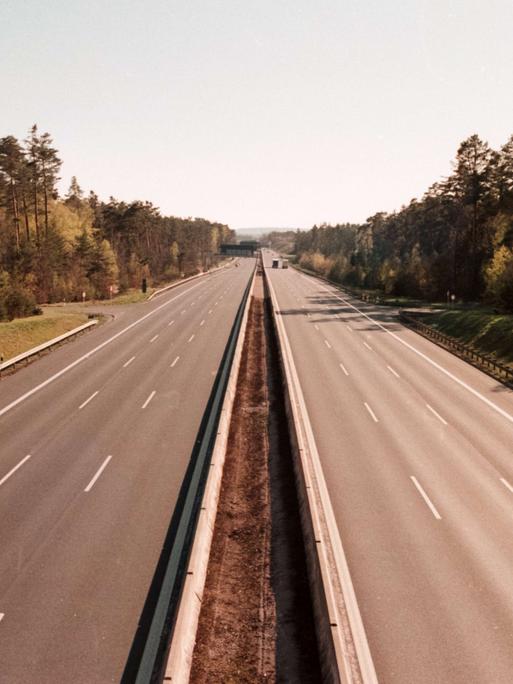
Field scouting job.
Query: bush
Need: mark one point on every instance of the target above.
(18, 302)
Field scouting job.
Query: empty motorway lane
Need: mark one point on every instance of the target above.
(417, 451)
(94, 442)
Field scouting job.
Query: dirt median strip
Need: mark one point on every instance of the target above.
(254, 582)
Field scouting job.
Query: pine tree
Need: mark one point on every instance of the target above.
(49, 164)
(11, 164)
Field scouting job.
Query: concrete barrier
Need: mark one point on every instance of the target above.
(344, 651)
(184, 636)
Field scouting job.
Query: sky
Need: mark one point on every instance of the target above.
(258, 112)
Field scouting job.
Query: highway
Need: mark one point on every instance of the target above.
(95, 439)
(417, 451)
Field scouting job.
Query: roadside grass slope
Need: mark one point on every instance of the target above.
(22, 334)
(486, 331)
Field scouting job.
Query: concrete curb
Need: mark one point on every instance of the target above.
(344, 651)
(46, 345)
(184, 637)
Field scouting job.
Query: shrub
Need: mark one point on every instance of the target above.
(19, 302)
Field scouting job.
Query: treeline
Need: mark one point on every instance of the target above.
(58, 248)
(457, 239)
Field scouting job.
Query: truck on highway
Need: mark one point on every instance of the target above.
(276, 263)
(284, 263)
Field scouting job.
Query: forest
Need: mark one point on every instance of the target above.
(456, 240)
(56, 248)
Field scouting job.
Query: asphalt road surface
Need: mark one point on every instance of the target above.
(417, 451)
(94, 443)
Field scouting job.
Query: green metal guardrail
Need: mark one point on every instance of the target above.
(495, 368)
(147, 657)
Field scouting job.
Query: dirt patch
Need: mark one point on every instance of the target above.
(256, 623)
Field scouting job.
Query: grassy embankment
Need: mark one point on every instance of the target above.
(22, 334)
(486, 331)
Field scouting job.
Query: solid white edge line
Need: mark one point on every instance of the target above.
(504, 482)
(13, 470)
(53, 377)
(327, 344)
(436, 365)
(128, 362)
(88, 400)
(373, 415)
(393, 372)
(175, 362)
(442, 420)
(343, 368)
(426, 498)
(342, 572)
(98, 473)
(149, 399)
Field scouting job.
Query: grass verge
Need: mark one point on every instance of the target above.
(488, 332)
(22, 334)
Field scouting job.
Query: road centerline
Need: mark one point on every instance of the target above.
(426, 498)
(97, 474)
(435, 413)
(506, 484)
(373, 415)
(84, 403)
(13, 470)
(149, 399)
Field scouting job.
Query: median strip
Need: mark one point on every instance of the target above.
(257, 550)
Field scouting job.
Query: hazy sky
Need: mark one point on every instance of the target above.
(258, 112)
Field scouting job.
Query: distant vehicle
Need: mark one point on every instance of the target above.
(285, 263)
(276, 263)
